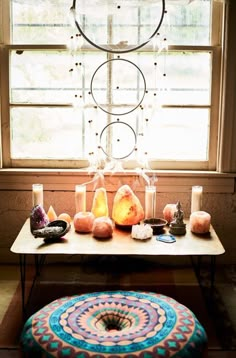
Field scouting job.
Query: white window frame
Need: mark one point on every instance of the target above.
(222, 143)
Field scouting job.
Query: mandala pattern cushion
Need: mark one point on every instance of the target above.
(113, 324)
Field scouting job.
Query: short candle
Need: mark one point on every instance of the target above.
(80, 198)
(200, 222)
(37, 194)
(196, 199)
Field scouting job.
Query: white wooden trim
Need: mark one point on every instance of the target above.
(227, 147)
(167, 181)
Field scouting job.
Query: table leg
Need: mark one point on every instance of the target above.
(22, 278)
(213, 270)
(197, 268)
(38, 262)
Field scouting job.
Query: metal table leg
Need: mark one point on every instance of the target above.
(22, 258)
(39, 261)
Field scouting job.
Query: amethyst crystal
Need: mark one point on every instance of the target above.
(38, 218)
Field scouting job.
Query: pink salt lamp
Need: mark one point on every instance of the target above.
(127, 209)
(102, 227)
(200, 222)
(168, 212)
(83, 221)
(99, 205)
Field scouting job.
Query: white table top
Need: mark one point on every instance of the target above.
(120, 244)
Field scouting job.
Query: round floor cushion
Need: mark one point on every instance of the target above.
(114, 324)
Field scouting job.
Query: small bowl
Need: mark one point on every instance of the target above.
(48, 235)
(157, 224)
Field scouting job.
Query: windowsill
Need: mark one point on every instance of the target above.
(167, 180)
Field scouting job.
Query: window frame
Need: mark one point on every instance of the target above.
(215, 160)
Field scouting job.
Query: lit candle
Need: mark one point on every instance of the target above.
(168, 212)
(80, 198)
(196, 199)
(200, 222)
(37, 194)
(150, 201)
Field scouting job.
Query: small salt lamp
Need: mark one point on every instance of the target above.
(100, 206)
(200, 222)
(168, 212)
(83, 221)
(127, 209)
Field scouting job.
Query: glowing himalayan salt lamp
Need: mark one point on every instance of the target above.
(51, 214)
(99, 205)
(200, 222)
(127, 209)
(168, 212)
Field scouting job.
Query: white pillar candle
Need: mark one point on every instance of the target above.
(200, 222)
(37, 194)
(150, 201)
(80, 198)
(196, 199)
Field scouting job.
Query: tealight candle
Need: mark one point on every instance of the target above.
(150, 201)
(200, 222)
(80, 198)
(168, 212)
(37, 194)
(196, 199)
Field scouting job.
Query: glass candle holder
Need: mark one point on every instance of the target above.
(37, 194)
(150, 202)
(80, 198)
(196, 199)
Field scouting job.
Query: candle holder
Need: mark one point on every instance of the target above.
(196, 199)
(200, 222)
(150, 201)
(80, 198)
(37, 194)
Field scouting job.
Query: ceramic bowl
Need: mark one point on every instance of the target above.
(157, 224)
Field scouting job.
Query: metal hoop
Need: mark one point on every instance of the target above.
(92, 92)
(135, 140)
(116, 50)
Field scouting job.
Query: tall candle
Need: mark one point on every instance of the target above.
(150, 201)
(37, 194)
(80, 198)
(196, 199)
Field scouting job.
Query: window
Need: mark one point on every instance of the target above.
(68, 104)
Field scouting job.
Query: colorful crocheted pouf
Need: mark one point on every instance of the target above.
(114, 324)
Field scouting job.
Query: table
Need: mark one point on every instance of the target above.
(121, 243)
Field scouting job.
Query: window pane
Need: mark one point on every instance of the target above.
(45, 76)
(187, 22)
(177, 77)
(49, 22)
(46, 133)
(179, 134)
(40, 22)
